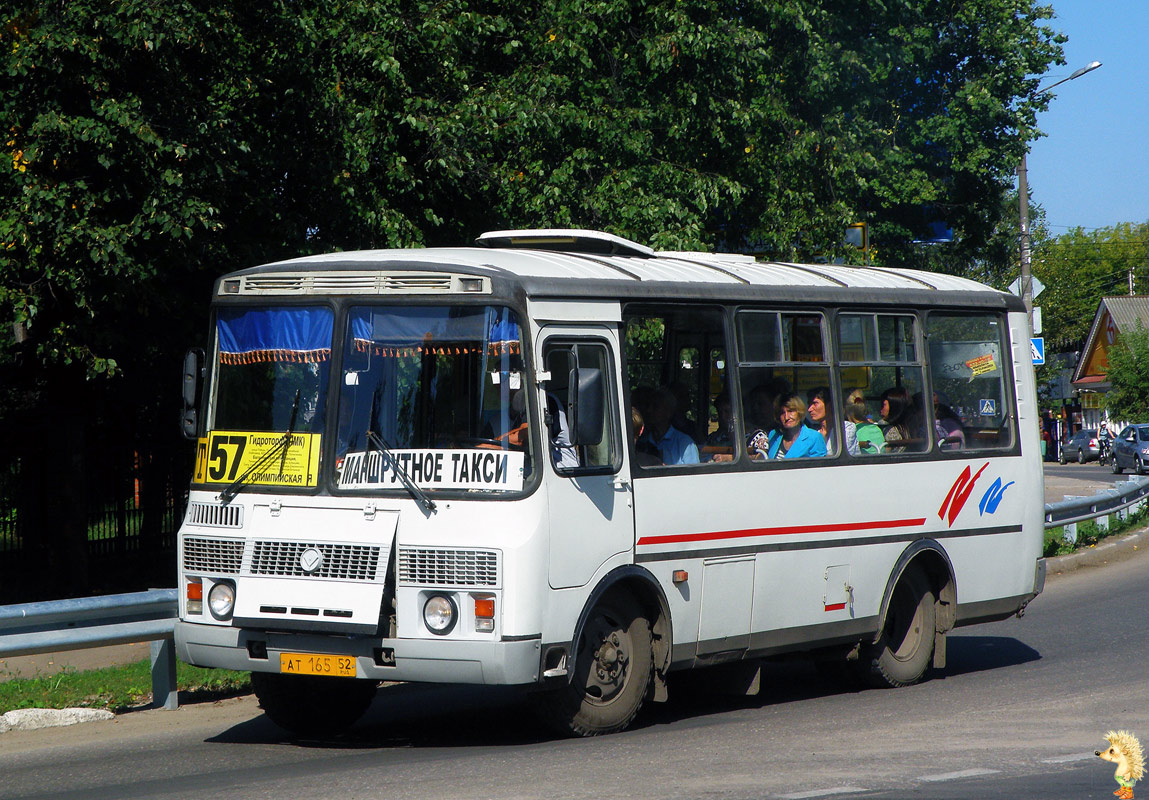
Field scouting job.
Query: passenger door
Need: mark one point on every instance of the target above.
(588, 486)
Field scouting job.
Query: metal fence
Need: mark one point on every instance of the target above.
(1100, 505)
(57, 625)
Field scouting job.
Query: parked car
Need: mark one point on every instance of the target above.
(1131, 450)
(1081, 447)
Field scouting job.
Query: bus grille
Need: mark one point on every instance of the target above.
(209, 515)
(448, 567)
(218, 556)
(340, 561)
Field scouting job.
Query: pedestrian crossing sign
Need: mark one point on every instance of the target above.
(1037, 350)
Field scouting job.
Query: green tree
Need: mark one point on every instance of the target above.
(1080, 267)
(1128, 375)
(152, 146)
(750, 127)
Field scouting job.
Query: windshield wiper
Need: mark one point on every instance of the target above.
(280, 448)
(412, 487)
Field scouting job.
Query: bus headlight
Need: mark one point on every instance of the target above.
(439, 614)
(221, 600)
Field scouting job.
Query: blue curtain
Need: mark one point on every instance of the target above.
(252, 335)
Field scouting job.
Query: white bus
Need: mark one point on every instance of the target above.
(561, 460)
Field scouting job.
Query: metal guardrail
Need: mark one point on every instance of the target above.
(1079, 509)
(49, 627)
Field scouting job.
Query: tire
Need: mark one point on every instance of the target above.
(1061, 457)
(611, 674)
(1081, 455)
(1116, 466)
(902, 653)
(308, 705)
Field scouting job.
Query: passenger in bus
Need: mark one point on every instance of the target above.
(867, 434)
(794, 439)
(642, 401)
(820, 417)
(916, 417)
(762, 408)
(895, 410)
(719, 445)
(517, 433)
(950, 433)
(724, 433)
(674, 446)
(681, 421)
(644, 455)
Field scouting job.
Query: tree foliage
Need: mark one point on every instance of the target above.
(1080, 267)
(154, 146)
(1128, 375)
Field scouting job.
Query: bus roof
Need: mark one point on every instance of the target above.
(577, 263)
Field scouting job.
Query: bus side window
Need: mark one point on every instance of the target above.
(679, 385)
(883, 383)
(968, 377)
(781, 355)
(567, 455)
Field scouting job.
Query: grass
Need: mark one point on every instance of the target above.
(117, 688)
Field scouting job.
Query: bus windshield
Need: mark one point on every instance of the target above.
(436, 391)
(272, 365)
(269, 397)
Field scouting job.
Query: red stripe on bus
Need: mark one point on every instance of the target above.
(836, 607)
(782, 531)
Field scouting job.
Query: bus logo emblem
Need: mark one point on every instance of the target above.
(959, 493)
(310, 560)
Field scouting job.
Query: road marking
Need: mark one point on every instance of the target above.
(1068, 759)
(953, 776)
(823, 793)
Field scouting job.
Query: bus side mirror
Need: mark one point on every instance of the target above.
(192, 377)
(585, 396)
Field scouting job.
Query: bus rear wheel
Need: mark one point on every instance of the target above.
(308, 705)
(612, 672)
(902, 653)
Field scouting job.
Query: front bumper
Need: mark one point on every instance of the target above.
(494, 663)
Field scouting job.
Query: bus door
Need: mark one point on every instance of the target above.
(588, 485)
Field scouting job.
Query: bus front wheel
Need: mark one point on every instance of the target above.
(308, 705)
(902, 653)
(611, 675)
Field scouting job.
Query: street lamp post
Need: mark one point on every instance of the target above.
(1026, 281)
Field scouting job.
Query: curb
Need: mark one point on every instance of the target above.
(1099, 554)
(31, 719)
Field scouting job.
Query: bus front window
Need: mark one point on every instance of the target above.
(441, 388)
(271, 371)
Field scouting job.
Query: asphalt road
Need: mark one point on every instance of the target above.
(1079, 479)
(1021, 708)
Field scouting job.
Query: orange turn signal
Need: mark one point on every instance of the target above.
(485, 607)
(195, 590)
(679, 576)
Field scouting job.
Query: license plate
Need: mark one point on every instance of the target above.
(313, 664)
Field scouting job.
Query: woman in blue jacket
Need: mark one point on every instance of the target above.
(795, 440)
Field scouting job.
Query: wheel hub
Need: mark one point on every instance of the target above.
(608, 668)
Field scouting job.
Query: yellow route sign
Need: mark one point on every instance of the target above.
(225, 456)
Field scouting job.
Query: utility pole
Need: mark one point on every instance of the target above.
(1026, 280)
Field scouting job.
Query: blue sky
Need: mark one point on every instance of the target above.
(1091, 170)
